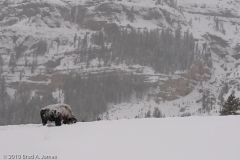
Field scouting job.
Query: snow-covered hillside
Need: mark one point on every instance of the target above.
(198, 138)
(223, 49)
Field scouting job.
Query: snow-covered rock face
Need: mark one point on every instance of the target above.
(48, 28)
(37, 12)
(25, 22)
(225, 8)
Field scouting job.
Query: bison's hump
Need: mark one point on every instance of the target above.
(56, 106)
(64, 109)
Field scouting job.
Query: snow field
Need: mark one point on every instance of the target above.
(198, 138)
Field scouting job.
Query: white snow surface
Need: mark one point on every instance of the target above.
(198, 138)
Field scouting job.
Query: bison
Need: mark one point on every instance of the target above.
(59, 113)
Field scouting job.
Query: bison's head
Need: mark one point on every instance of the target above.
(44, 113)
(72, 120)
(55, 113)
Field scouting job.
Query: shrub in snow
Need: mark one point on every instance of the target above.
(231, 106)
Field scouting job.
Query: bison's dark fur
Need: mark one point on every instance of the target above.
(59, 113)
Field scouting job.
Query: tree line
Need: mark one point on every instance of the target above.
(90, 96)
(23, 107)
(166, 51)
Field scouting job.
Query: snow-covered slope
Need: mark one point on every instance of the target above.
(198, 138)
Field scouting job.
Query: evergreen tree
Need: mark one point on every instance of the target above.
(221, 98)
(74, 40)
(190, 22)
(148, 114)
(32, 67)
(42, 47)
(1, 61)
(2, 89)
(204, 105)
(217, 23)
(226, 88)
(1, 70)
(231, 106)
(26, 62)
(12, 61)
(157, 113)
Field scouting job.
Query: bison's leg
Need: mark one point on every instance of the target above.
(65, 122)
(58, 121)
(44, 122)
